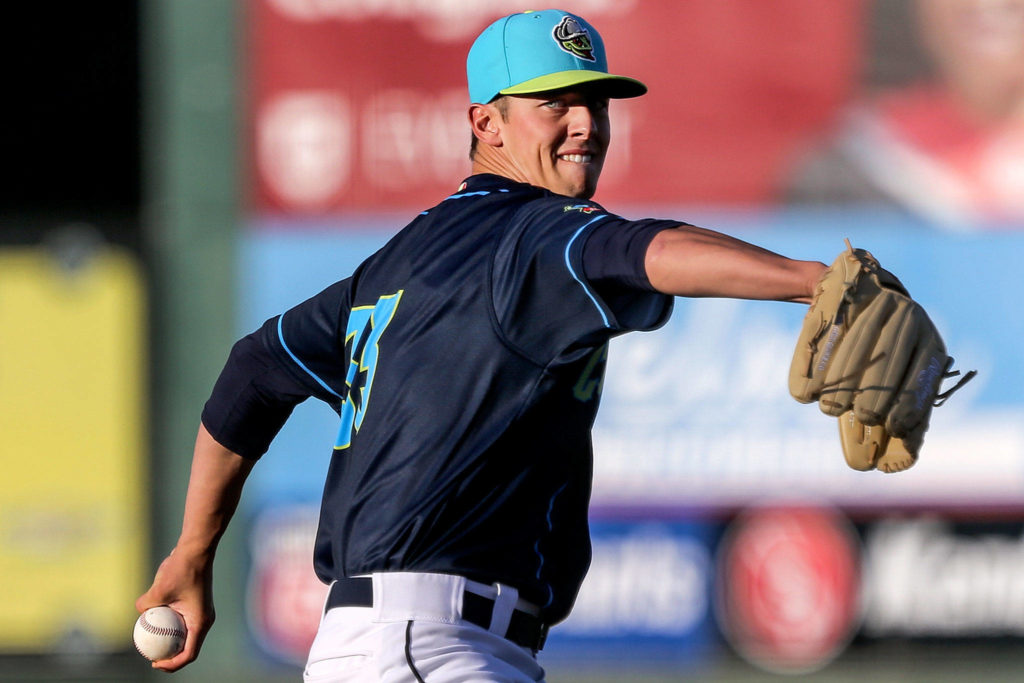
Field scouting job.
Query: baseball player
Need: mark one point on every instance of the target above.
(465, 361)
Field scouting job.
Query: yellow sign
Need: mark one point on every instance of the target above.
(73, 522)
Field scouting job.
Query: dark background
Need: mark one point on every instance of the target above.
(70, 138)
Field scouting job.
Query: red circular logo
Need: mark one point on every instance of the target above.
(788, 587)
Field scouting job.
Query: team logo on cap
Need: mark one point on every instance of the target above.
(574, 39)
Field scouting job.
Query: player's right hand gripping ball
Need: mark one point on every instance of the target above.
(871, 356)
(159, 633)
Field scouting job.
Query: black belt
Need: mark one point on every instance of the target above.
(524, 629)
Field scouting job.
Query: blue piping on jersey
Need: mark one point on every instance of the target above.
(536, 546)
(478, 193)
(568, 264)
(280, 336)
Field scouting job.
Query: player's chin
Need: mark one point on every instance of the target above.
(589, 188)
(578, 180)
(593, 174)
(584, 186)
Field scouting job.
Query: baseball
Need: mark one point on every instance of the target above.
(159, 633)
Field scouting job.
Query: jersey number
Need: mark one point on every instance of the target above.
(366, 324)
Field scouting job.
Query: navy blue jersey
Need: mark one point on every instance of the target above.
(465, 359)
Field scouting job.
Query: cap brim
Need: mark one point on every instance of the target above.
(616, 87)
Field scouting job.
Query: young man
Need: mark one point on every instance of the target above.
(465, 360)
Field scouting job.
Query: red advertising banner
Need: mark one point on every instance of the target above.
(361, 105)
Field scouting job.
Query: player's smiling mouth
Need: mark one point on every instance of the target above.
(577, 158)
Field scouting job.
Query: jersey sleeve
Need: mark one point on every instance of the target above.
(613, 257)
(290, 358)
(309, 341)
(547, 299)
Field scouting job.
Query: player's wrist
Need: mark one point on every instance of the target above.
(195, 550)
(814, 271)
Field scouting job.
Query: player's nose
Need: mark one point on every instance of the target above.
(582, 122)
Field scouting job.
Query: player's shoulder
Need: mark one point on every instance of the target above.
(495, 187)
(550, 209)
(530, 197)
(483, 194)
(553, 215)
(546, 200)
(517, 207)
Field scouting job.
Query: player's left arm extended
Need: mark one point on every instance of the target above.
(696, 262)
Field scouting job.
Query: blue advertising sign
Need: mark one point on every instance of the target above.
(647, 594)
(698, 413)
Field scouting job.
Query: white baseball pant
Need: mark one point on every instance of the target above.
(414, 632)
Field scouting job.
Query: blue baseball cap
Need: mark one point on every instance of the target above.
(533, 52)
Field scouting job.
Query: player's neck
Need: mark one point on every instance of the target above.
(492, 160)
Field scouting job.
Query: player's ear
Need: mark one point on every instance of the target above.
(483, 119)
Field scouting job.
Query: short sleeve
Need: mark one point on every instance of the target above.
(251, 399)
(613, 258)
(291, 357)
(309, 340)
(543, 298)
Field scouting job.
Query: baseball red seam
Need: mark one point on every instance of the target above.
(159, 631)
